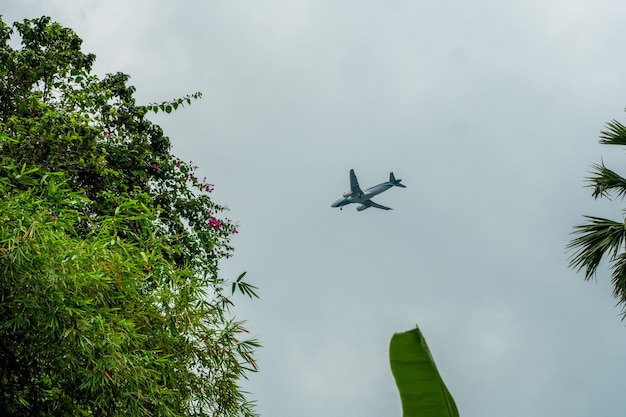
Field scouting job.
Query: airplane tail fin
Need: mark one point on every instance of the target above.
(394, 181)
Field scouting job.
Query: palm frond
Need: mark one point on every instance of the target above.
(619, 280)
(615, 135)
(595, 239)
(604, 181)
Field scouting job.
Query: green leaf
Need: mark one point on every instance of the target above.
(596, 238)
(605, 181)
(422, 391)
(244, 287)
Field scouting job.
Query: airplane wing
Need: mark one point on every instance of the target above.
(370, 203)
(354, 184)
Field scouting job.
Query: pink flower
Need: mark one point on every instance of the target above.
(155, 166)
(234, 231)
(214, 223)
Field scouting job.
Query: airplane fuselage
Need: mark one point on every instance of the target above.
(360, 199)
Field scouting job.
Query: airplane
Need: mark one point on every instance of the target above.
(364, 198)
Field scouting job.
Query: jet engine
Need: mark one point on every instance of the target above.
(361, 207)
(347, 194)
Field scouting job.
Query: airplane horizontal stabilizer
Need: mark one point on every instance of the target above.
(394, 181)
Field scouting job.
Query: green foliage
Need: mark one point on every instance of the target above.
(600, 237)
(422, 391)
(111, 302)
(169, 106)
(605, 181)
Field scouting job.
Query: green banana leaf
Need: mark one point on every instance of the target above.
(422, 391)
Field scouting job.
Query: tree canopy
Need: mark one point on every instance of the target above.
(111, 302)
(598, 237)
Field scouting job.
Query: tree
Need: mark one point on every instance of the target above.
(600, 237)
(111, 301)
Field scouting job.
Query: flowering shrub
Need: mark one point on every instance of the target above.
(79, 149)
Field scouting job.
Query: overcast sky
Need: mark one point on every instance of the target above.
(488, 110)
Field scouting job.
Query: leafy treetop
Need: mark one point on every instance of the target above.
(598, 237)
(126, 240)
